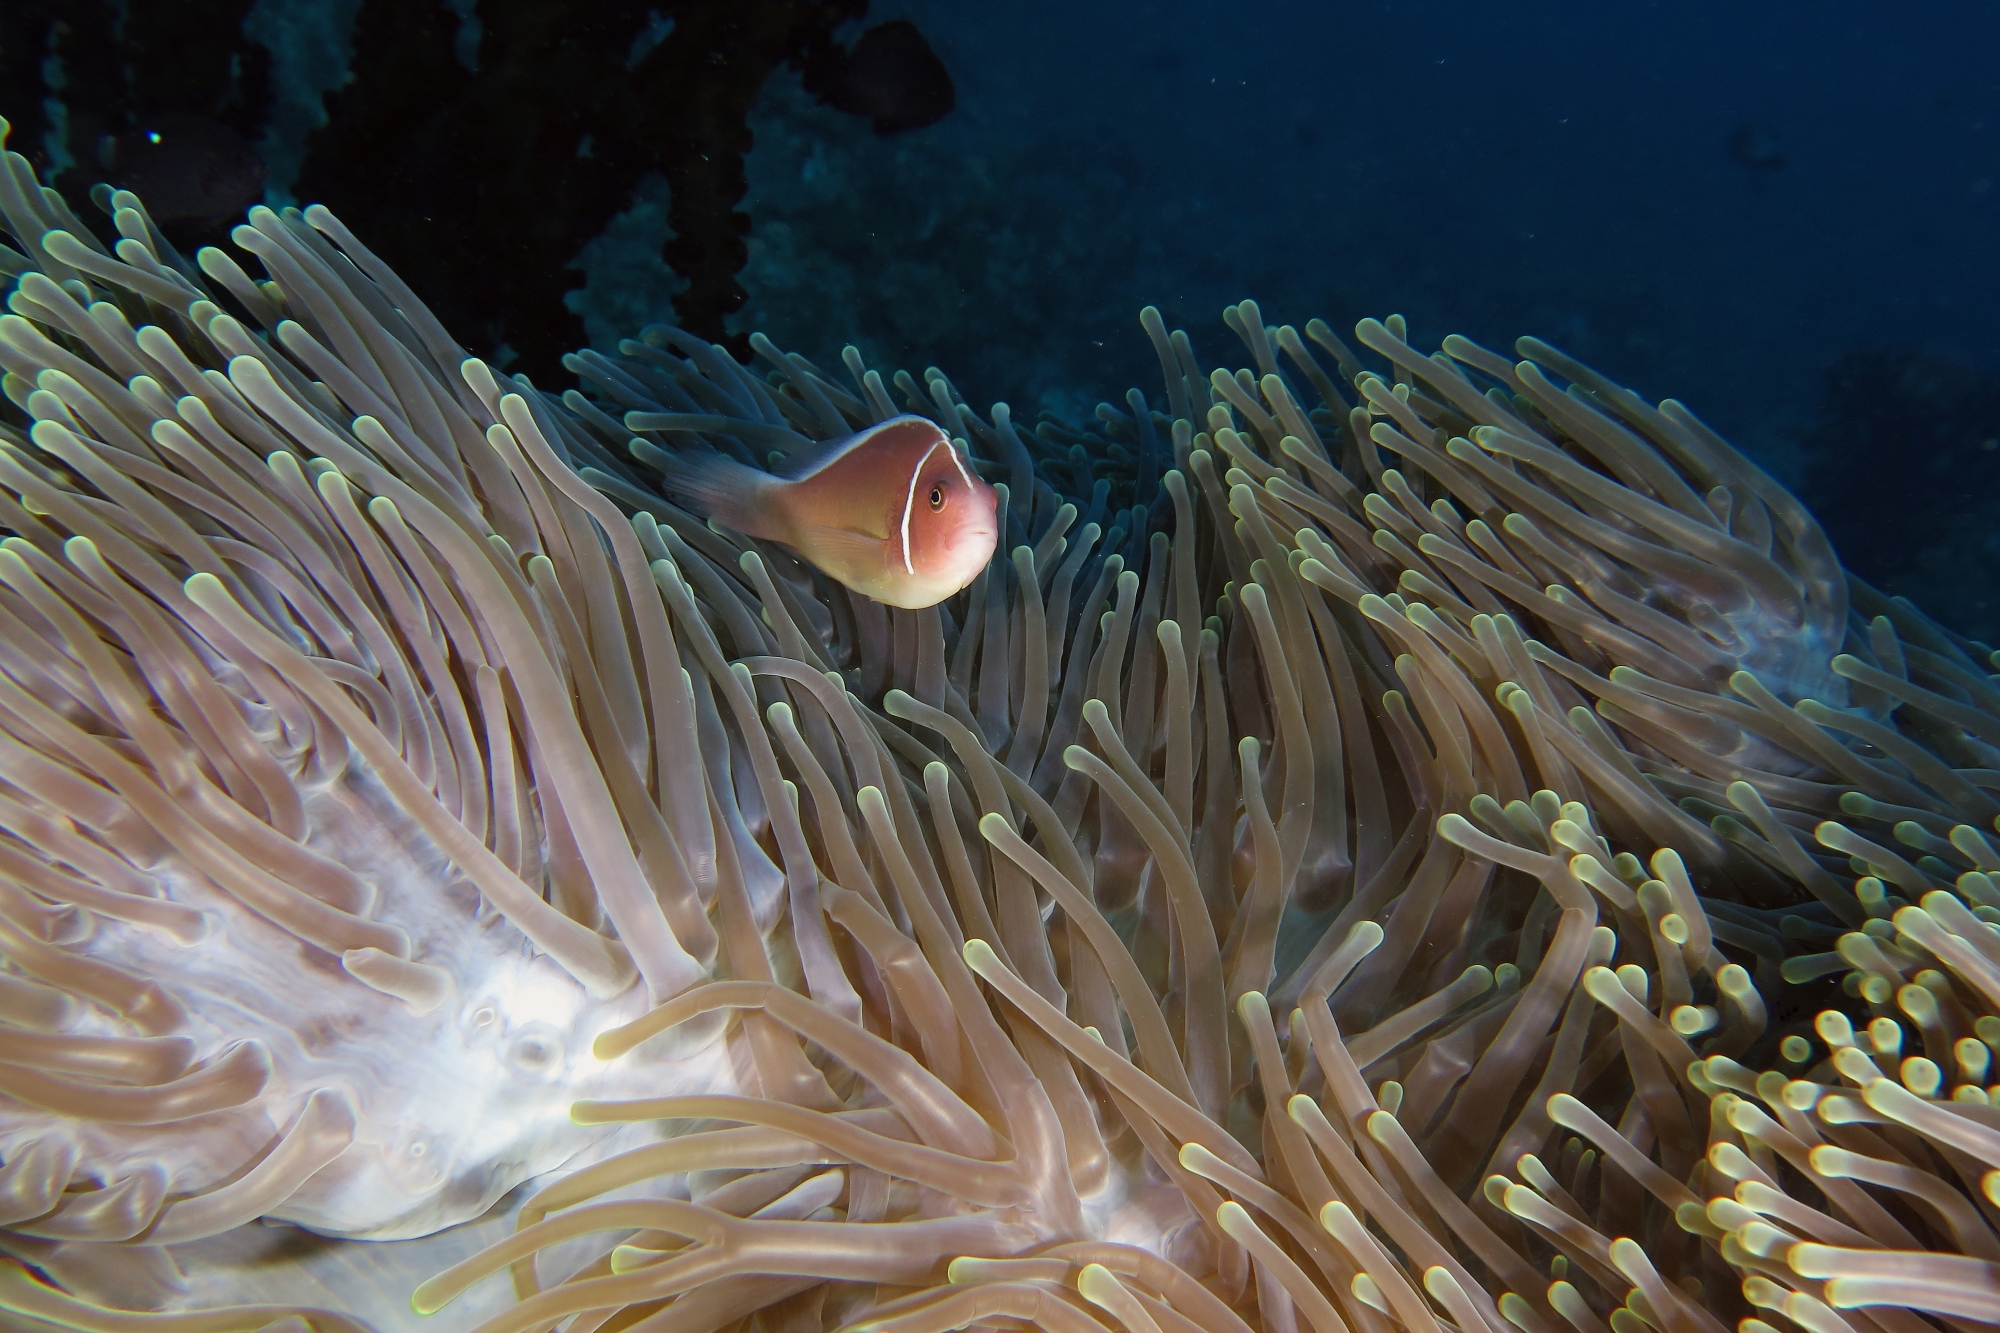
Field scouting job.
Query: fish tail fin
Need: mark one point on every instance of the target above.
(723, 489)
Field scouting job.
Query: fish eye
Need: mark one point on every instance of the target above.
(937, 497)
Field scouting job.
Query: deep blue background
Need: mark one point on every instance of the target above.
(1564, 170)
(1560, 168)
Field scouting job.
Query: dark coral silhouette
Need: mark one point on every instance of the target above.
(166, 97)
(518, 132)
(543, 141)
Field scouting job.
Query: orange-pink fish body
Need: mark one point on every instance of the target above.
(894, 511)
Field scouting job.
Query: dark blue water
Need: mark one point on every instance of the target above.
(1713, 202)
(1783, 214)
(1561, 168)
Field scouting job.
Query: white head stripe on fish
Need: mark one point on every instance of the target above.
(910, 500)
(959, 463)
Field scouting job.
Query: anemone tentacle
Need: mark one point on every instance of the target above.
(1365, 854)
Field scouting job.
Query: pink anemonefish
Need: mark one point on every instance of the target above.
(892, 511)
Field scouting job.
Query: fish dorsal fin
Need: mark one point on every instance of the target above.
(803, 460)
(878, 447)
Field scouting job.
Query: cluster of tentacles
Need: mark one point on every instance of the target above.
(1426, 847)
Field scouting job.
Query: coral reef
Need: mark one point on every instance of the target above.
(560, 121)
(556, 120)
(114, 92)
(1409, 843)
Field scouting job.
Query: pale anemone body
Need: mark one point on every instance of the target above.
(247, 977)
(1298, 889)
(433, 1115)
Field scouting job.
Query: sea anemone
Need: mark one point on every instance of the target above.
(1340, 867)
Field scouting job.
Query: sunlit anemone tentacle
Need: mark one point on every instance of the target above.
(1343, 865)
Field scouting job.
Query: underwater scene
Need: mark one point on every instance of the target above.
(813, 666)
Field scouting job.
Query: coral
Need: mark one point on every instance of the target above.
(557, 126)
(105, 69)
(115, 91)
(1340, 866)
(562, 122)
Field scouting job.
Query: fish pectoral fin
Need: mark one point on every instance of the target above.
(845, 553)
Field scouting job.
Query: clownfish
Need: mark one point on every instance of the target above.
(893, 512)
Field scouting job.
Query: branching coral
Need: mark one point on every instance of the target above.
(1338, 871)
